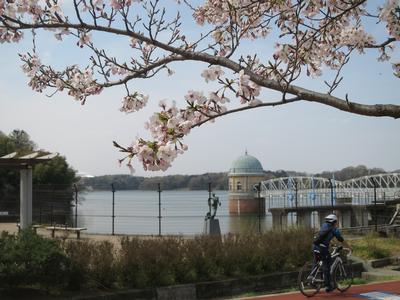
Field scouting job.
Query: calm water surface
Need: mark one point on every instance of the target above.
(182, 212)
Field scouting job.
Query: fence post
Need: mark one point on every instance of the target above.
(159, 209)
(40, 211)
(76, 205)
(113, 208)
(297, 211)
(51, 214)
(209, 198)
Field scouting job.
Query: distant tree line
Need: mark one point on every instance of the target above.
(219, 181)
(351, 172)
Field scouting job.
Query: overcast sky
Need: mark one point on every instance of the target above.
(303, 136)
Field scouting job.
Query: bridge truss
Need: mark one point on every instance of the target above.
(318, 191)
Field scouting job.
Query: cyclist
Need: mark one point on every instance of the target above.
(321, 242)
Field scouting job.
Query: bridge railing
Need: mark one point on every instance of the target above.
(324, 198)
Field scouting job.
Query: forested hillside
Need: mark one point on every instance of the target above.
(219, 181)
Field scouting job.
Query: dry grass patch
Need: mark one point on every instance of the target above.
(375, 247)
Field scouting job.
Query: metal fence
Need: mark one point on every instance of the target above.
(114, 211)
(156, 212)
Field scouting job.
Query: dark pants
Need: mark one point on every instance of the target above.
(326, 258)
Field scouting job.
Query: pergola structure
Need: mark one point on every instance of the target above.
(25, 164)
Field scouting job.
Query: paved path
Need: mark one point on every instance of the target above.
(376, 291)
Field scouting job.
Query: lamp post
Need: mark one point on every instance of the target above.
(257, 187)
(76, 205)
(159, 209)
(331, 186)
(209, 197)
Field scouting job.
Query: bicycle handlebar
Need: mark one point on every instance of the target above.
(340, 248)
(349, 251)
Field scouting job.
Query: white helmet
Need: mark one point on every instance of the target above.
(331, 218)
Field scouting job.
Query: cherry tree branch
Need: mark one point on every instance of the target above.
(377, 110)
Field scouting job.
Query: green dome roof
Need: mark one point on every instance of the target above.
(246, 164)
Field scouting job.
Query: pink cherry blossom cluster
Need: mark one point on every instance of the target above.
(212, 73)
(134, 102)
(153, 155)
(120, 4)
(390, 13)
(201, 108)
(84, 39)
(170, 125)
(334, 18)
(247, 90)
(167, 128)
(80, 83)
(396, 68)
(8, 35)
(357, 37)
(33, 8)
(242, 16)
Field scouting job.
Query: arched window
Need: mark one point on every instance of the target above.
(239, 186)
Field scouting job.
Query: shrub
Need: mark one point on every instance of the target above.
(173, 260)
(92, 264)
(138, 263)
(28, 259)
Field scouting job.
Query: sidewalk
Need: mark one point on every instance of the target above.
(375, 291)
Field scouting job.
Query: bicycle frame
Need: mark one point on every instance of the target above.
(311, 281)
(337, 261)
(314, 272)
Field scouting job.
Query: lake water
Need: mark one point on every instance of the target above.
(182, 212)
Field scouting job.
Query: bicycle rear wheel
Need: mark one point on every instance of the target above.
(310, 280)
(343, 277)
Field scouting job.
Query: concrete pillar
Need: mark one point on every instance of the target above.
(359, 216)
(344, 218)
(304, 218)
(25, 198)
(279, 219)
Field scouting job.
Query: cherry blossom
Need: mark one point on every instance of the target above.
(311, 38)
(134, 102)
(212, 73)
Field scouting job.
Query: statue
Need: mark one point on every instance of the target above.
(213, 203)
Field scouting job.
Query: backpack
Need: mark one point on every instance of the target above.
(319, 238)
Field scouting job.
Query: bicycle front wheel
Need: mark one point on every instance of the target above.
(310, 279)
(343, 277)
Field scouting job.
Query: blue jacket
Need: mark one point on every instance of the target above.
(329, 232)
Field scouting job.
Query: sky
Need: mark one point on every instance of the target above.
(306, 137)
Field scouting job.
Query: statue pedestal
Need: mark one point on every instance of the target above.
(211, 227)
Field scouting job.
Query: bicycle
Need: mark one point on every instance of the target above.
(311, 275)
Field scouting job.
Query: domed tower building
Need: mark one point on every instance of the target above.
(245, 172)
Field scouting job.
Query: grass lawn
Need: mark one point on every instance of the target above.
(374, 247)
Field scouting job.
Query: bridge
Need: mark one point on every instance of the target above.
(356, 201)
